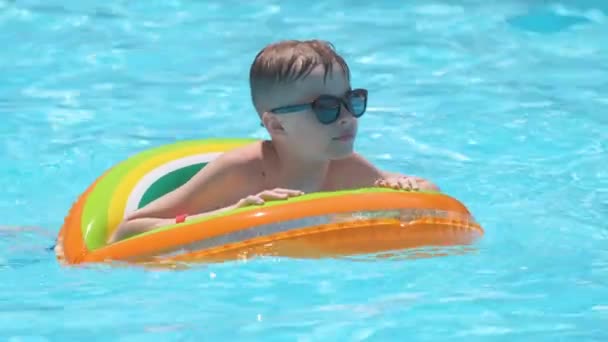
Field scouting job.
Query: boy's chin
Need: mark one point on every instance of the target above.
(337, 155)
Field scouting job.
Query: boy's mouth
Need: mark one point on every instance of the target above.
(345, 137)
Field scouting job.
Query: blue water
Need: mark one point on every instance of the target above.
(504, 104)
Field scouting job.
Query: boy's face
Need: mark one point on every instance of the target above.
(301, 130)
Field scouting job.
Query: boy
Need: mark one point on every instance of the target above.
(302, 93)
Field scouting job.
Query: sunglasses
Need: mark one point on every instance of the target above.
(327, 107)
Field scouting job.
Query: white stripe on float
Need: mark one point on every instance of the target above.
(149, 178)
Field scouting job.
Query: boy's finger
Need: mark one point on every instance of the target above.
(401, 184)
(289, 191)
(273, 195)
(282, 190)
(255, 200)
(249, 200)
(415, 185)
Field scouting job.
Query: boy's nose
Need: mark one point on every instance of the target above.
(345, 115)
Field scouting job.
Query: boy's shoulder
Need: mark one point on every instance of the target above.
(237, 169)
(242, 157)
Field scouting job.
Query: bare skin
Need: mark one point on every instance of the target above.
(303, 156)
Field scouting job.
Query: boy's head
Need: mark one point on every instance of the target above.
(302, 92)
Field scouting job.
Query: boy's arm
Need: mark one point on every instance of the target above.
(135, 226)
(204, 194)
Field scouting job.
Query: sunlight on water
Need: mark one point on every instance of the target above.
(503, 104)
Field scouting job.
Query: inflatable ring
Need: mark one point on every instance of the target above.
(326, 224)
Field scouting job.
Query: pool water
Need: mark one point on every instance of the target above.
(504, 104)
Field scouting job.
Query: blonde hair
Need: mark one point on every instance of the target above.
(287, 61)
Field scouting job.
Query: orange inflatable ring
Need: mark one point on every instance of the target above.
(326, 224)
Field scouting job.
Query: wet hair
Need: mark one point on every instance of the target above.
(287, 61)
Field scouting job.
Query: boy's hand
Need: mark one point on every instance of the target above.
(406, 183)
(399, 182)
(268, 195)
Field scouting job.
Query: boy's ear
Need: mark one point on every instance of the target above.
(272, 124)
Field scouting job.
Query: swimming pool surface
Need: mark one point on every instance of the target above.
(504, 104)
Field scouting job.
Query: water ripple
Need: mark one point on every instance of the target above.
(501, 103)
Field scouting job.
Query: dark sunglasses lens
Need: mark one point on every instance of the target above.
(327, 116)
(327, 109)
(358, 102)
